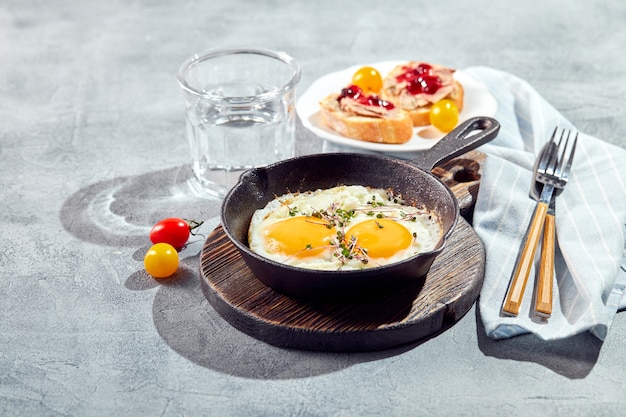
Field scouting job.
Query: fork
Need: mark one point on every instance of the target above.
(552, 172)
(543, 301)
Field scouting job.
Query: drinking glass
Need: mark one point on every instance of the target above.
(240, 112)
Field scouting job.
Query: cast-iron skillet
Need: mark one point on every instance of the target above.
(411, 179)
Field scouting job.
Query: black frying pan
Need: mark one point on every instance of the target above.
(411, 179)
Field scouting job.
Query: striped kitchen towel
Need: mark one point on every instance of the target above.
(590, 264)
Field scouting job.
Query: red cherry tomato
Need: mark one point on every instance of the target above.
(172, 230)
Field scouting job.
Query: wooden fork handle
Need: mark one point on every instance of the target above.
(543, 306)
(515, 293)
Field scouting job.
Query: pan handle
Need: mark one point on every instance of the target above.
(467, 136)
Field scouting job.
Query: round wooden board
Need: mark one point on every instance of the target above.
(389, 320)
(450, 289)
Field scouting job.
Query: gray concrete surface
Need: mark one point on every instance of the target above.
(92, 152)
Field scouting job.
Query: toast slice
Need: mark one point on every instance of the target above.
(366, 117)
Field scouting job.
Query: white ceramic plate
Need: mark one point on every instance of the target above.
(477, 102)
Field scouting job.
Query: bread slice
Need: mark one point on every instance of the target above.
(418, 106)
(395, 126)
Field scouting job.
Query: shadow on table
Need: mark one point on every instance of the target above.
(192, 328)
(573, 357)
(120, 212)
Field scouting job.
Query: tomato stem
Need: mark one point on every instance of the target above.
(193, 224)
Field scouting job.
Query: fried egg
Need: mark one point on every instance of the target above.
(345, 227)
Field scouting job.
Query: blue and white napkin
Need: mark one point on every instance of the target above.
(590, 262)
(590, 218)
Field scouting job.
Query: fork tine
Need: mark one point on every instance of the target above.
(547, 159)
(549, 162)
(567, 156)
(561, 148)
(568, 165)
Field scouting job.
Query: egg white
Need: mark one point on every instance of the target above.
(423, 225)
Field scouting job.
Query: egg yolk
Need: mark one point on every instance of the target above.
(299, 236)
(382, 238)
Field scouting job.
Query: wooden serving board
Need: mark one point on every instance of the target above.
(450, 289)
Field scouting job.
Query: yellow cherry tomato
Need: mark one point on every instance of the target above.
(368, 79)
(444, 115)
(161, 260)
